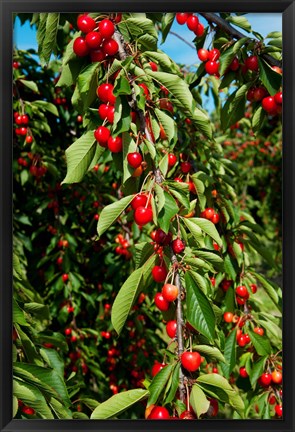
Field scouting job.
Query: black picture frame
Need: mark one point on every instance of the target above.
(8, 7)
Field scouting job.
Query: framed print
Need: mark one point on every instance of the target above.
(147, 258)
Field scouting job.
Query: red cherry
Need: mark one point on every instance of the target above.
(213, 54)
(211, 67)
(178, 246)
(243, 372)
(159, 273)
(253, 288)
(192, 22)
(228, 317)
(85, 23)
(68, 331)
(23, 131)
(277, 377)
(106, 28)
(259, 93)
(252, 63)
(242, 341)
(265, 379)
(157, 367)
(159, 413)
(65, 277)
(279, 410)
(143, 215)
(161, 303)
(170, 292)
(234, 66)
(213, 408)
(199, 30)
(171, 328)
(80, 47)
(185, 167)
(118, 18)
(209, 212)
(203, 54)
(139, 200)
(93, 40)
(241, 301)
(181, 17)
(162, 238)
(172, 159)
(110, 47)
(25, 119)
(103, 111)
(242, 291)
(104, 91)
(145, 89)
(111, 114)
(28, 410)
(102, 134)
(272, 399)
(191, 361)
(259, 331)
(215, 218)
(278, 97)
(97, 55)
(134, 159)
(187, 415)
(29, 139)
(115, 145)
(153, 66)
(250, 94)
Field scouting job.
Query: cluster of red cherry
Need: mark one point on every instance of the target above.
(210, 214)
(123, 248)
(22, 121)
(192, 22)
(98, 41)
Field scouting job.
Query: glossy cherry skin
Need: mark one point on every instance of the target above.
(93, 40)
(102, 134)
(243, 372)
(106, 28)
(134, 159)
(143, 215)
(279, 410)
(85, 23)
(252, 63)
(191, 361)
(172, 159)
(159, 273)
(192, 22)
(178, 246)
(203, 54)
(104, 91)
(161, 303)
(170, 292)
(181, 17)
(212, 67)
(139, 200)
(159, 413)
(110, 47)
(80, 47)
(171, 329)
(115, 145)
(242, 291)
(157, 367)
(265, 379)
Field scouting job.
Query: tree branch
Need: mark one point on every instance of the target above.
(183, 40)
(179, 321)
(133, 103)
(224, 25)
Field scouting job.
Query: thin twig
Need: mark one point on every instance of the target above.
(183, 40)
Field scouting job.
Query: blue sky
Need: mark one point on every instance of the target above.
(263, 23)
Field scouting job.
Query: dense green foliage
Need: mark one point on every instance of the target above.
(87, 331)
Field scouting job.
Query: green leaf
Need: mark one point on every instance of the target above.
(208, 227)
(14, 406)
(194, 229)
(211, 257)
(47, 106)
(79, 157)
(166, 24)
(200, 188)
(18, 314)
(229, 267)
(40, 311)
(258, 118)
(140, 25)
(202, 122)
(30, 84)
(111, 212)
(118, 403)
(125, 299)
(200, 281)
(160, 197)
(219, 382)
(267, 286)
(129, 146)
(49, 41)
(167, 123)
(234, 108)
(174, 384)
(240, 21)
(261, 343)
(59, 409)
(47, 379)
(169, 210)
(56, 339)
(198, 400)
(28, 347)
(256, 371)
(210, 351)
(229, 354)
(199, 310)
(32, 397)
(158, 384)
(53, 359)
(270, 79)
